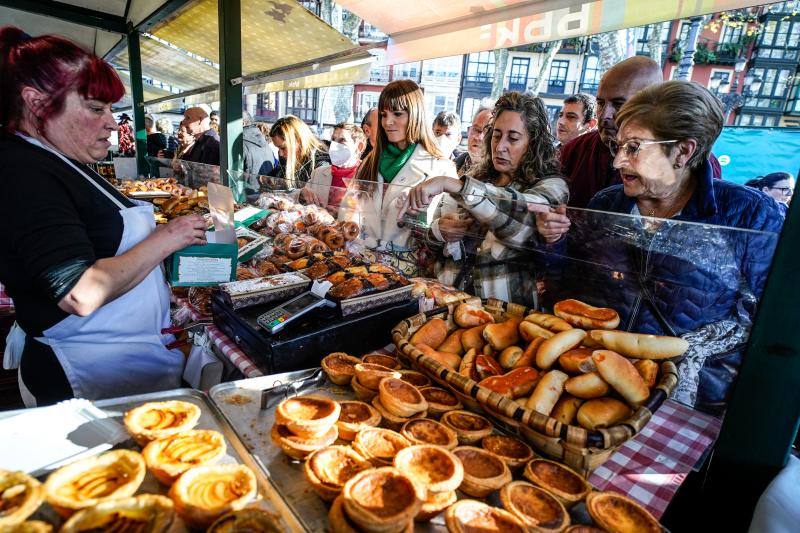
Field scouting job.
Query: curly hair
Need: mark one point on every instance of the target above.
(540, 159)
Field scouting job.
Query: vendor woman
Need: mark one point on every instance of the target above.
(81, 261)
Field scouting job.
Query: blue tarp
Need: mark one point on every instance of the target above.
(746, 152)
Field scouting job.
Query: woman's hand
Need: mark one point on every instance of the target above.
(181, 232)
(309, 196)
(551, 222)
(453, 228)
(423, 194)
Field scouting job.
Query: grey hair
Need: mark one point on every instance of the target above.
(164, 125)
(448, 120)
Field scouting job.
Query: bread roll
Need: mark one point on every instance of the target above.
(566, 408)
(468, 316)
(548, 352)
(509, 356)
(467, 366)
(621, 375)
(529, 331)
(577, 361)
(547, 392)
(452, 344)
(514, 384)
(640, 345)
(432, 333)
(602, 413)
(449, 360)
(583, 315)
(548, 321)
(501, 336)
(587, 386)
(648, 370)
(486, 366)
(473, 338)
(487, 350)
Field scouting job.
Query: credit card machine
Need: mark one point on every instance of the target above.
(277, 318)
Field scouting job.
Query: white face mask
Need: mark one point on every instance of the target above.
(339, 153)
(446, 144)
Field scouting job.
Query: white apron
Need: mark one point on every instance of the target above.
(119, 350)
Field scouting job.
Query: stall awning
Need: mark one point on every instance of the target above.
(423, 29)
(150, 92)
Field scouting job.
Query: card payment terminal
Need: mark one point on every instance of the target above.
(276, 319)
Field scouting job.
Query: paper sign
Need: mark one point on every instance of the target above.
(204, 269)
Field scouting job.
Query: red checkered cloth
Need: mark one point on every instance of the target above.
(5, 300)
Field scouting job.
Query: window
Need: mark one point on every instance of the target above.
(731, 34)
(642, 35)
(683, 33)
(591, 75)
(302, 104)
(407, 71)
(366, 101)
(792, 6)
(267, 106)
(723, 75)
(558, 76)
(436, 103)
(519, 74)
(377, 73)
(468, 108)
(443, 69)
(480, 67)
(780, 39)
(772, 93)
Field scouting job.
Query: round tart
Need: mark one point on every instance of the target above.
(401, 398)
(484, 472)
(381, 500)
(470, 516)
(435, 503)
(378, 445)
(510, 449)
(340, 523)
(308, 416)
(469, 427)
(170, 457)
(146, 512)
(619, 514)
(418, 379)
(583, 528)
(370, 375)
(87, 482)
(537, 508)
(431, 467)
(355, 416)
(298, 447)
(424, 431)
(340, 367)
(362, 393)
(328, 469)
(440, 401)
(559, 480)
(156, 420)
(388, 419)
(31, 526)
(20, 496)
(384, 360)
(204, 493)
(245, 521)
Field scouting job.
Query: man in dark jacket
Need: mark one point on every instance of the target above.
(206, 145)
(257, 154)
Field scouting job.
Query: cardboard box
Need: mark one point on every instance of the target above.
(249, 215)
(257, 242)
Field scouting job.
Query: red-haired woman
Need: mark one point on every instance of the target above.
(80, 260)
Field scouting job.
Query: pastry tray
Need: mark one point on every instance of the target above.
(210, 418)
(240, 402)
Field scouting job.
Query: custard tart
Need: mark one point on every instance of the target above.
(245, 521)
(388, 419)
(298, 447)
(440, 401)
(204, 493)
(468, 516)
(469, 427)
(328, 469)
(619, 514)
(87, 482)
(484, 472)
(378, 445)
(418, 379)
(510, 449)
(401, 398)
(584, 528)
(430, 467)
(170, 457)
(355, 416)
(156, 420)
(362, 393)
(369, 375)
(435, 503)
(537, 508)
(20, 496)
(381, 500)
(340, 523)
(384, 360)
(559, 480)
(307, 416)
(149, 513)
(424, 431)
(340, 367)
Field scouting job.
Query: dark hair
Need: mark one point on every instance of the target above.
(540, 159)
(54, 66)
(769, 180)
(447, 120)
(365, 120)
(214, 113)
(589, 104)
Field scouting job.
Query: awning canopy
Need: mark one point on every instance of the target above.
(425, 29)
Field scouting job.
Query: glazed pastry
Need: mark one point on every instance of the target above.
(467, 516)
(619, 514)
(170, 457)
(400, 398)
(350, 231)
(559, 480)
(363, 393)
(418, 379)
(20, 496)
(536, 507)
(424, 431)
(307, 416)
(370, 375)
(245, 521)
(298, 447)
(340, 367)
(147, 512)
(381, 499)
(379, 445)
(484, 472)
(513, 451)
(439, 401)
(156, 420)
(391, 421)
(355, 416)
(469, 427)
(431, 467)
(87, 482)
(348, 289)
(328, 469)
(383, 360)
(204, 493)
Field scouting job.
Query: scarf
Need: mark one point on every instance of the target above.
(393, 159)
(339, 174)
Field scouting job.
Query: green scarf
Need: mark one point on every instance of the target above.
(393, 159)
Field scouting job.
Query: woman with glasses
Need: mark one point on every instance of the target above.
(663, 275)
(779, 185)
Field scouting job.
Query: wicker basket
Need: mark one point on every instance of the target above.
(579, 448)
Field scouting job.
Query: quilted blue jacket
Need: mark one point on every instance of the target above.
(675, 278)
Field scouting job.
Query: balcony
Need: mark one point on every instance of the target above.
(477, 85)
(708, 52)
(518, 84)
(558, 88)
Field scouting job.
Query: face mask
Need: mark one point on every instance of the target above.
(446, 144)
(339, 153)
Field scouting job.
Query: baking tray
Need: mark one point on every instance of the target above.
(240, 402)
(210, 418)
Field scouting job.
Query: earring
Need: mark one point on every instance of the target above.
(677, 165)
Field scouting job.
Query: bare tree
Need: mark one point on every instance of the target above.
(339, 98)
(499, 82)
(610, 49)
(550, 50)
(654, 41)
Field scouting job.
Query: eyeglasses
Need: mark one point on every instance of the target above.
(631, 147)
(475, 130)
(786, 191)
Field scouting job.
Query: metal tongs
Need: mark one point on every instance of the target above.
(279, 391)
(193, 328)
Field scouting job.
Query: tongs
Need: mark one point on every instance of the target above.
(193, 328)
(278, 392)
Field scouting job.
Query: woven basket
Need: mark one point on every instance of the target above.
(581, 449)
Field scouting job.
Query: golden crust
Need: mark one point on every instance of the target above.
(340, 367)
(245, 520)
(484, 472)
(559, 480)
(469, 427)
(146, 512)
(431, 467)
(440, 401)
(424, 431)
(308, 416)
(298, 447)
(31, 526)
(156, 420)
(536, 507)
(434, 504)
(378, 445)
(355, 416)
(328, 469)
(204, 493)
(381, 500)
(369, 375)
(389, 420)
(340, 523)
(362, 393)
(400, 398)
(418, 379)
(170, 457)
(20, 496)
(510, 449)
(384, 360)
(87, 482)
(471, 515)
(620, 514)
